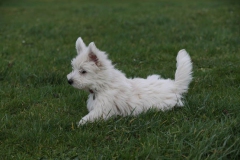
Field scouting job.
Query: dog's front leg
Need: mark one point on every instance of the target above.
(94, 115)
(91, 116)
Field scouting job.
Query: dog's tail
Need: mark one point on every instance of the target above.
(183, 75)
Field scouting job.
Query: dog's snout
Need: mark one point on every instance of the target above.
(70, 81)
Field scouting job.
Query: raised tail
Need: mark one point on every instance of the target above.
(183, 75)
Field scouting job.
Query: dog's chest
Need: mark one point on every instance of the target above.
(91, 103)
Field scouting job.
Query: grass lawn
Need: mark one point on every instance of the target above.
(39, 110)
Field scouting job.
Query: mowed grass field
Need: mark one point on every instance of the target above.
(39, 110)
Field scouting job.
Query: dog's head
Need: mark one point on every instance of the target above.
(90, 67)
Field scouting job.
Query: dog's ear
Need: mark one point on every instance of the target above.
(92, 54)
(80, 45)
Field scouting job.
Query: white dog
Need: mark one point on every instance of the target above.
(111, 93)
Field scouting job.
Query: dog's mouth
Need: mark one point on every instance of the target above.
(75, 84)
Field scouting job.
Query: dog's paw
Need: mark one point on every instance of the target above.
(81, 122)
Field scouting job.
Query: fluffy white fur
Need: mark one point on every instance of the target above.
(111, 93)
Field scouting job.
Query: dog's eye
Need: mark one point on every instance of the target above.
(83, 72)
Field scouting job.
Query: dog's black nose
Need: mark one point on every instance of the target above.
(70, 81)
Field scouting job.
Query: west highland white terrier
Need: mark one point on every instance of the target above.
(111, 93)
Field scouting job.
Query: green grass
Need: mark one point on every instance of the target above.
(39, 110)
